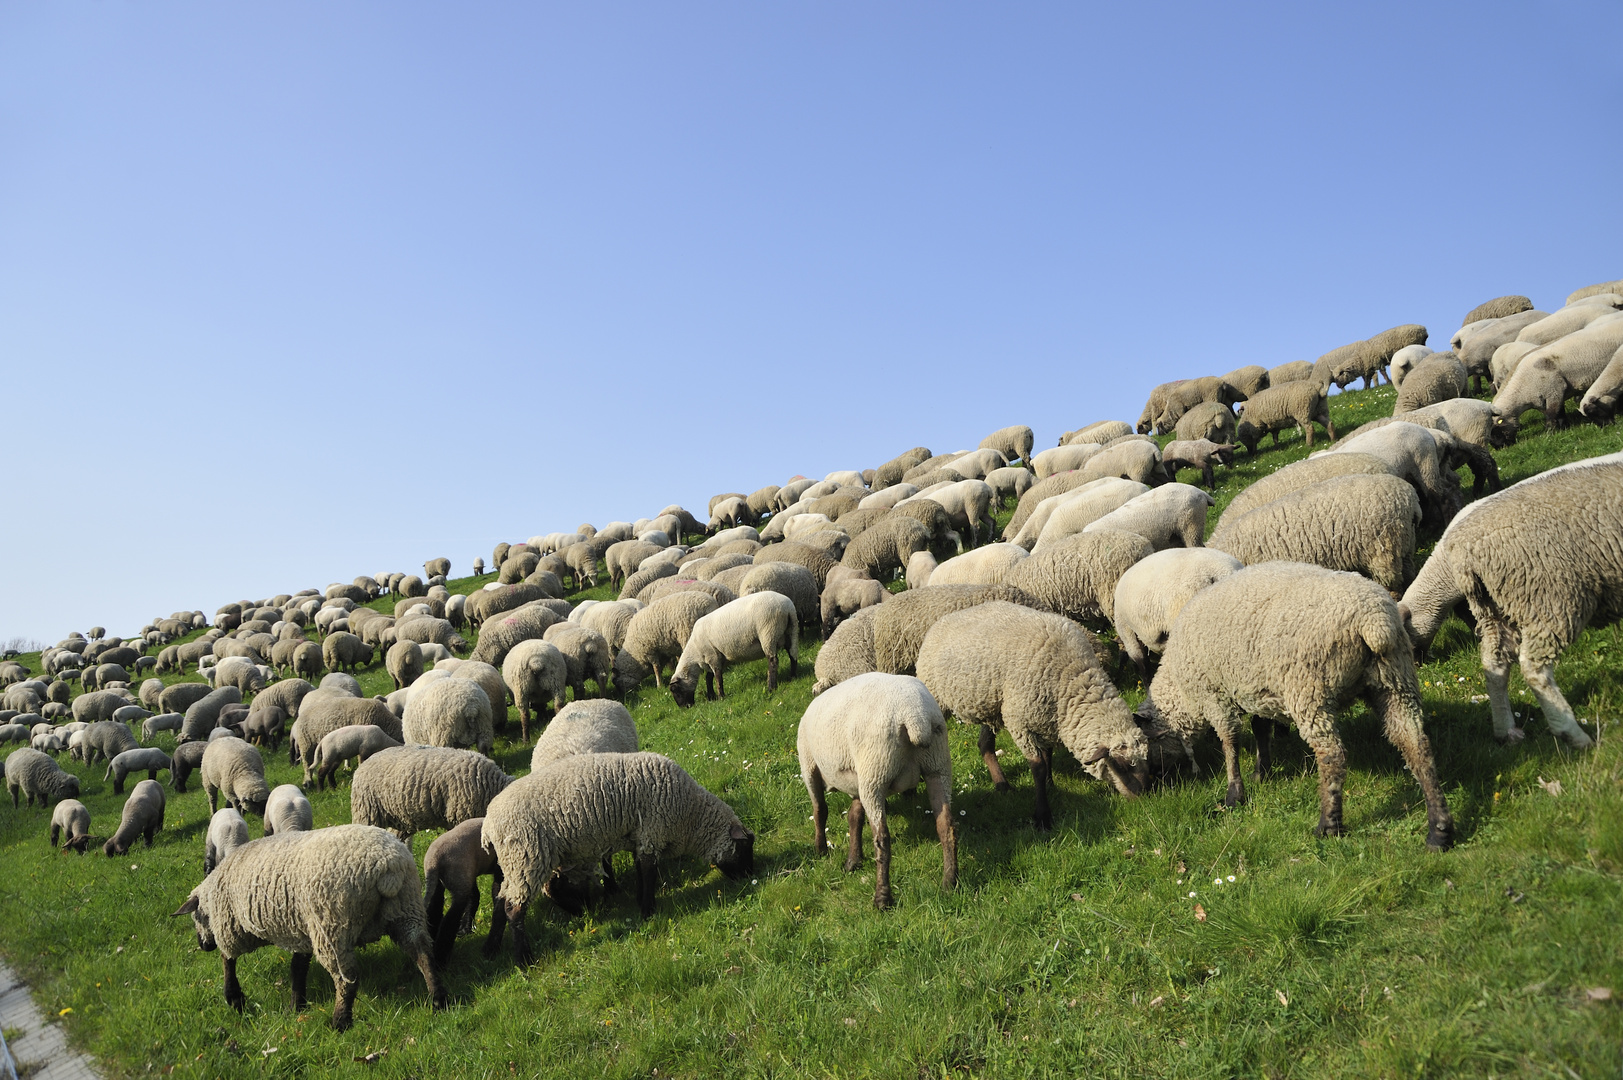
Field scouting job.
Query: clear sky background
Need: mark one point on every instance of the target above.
(293, 292)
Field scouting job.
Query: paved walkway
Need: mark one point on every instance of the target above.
(40, 1051)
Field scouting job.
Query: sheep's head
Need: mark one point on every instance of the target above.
(1168, 750)
(735, 854)
(1503, 431)
(684, 687)
(200, 920)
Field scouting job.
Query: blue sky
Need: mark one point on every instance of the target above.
(294, 292)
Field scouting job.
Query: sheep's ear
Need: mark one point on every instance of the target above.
(1407, 616)
(1098, 754)
(738, 832)
(187, 908)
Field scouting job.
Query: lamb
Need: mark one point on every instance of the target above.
(891, 471)
(1202, 454)
(1003, 665)
(1153, 590)
(187, 759)
(234, 768)
(1080, 508)
(327, 711)
(1012, 442)
(1295, 643)
(1077, 577)
(454, 863)
(1564, 369)
(585, 653)
(227, 831)
(148, 758)
(1439, 377)
(287, 810)
(1364, 523)
(1533, 588)
(884, 549)
(577, 810)
(359, 741)
(749, 628)
(1294, 404)
(1600, 400)
(317, 894)
(143, 817)
(788, 579)
(585, 727)
(449, 712)
(1007, 483)
(1209, 420)
(847, 652)
(1497, 308)
(70, 824)
(1173, 515)
(410, 788)
(873, 736)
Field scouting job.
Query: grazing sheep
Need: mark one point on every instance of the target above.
(325, 711)
(847, 652)
(1007, 483)
(344, 650)
(98, 705)
(873, 736)
(1077, 577)
(749, 628)
(887, 497)
(234, 768)
(1076, 510)
(657, 635)
(203, 715)
(149, 759)
(611, 620)
(449, 712)
(818, 561)
(341, 683)
(1131, 459)
(1101, 432)
(1295, 371)
(1202, 454)
(582, 808)
(500, 635)
(1153, 590)
(1405, 360)
(787, 579)
(1294, 404)
(988, 565)
(1298, 475)
(358, 741)
(1476, 342)
(287, 810)
(1248, 380)
(407, 789)
(454, 863)
(320, 895)
(70, 824)
(143, 817)
(1564, 369)
(1497, 308)
(1012, 442)
(227, 831)
(1600, 400)
(1154, 407)
(1173, 515)
(1210, 420)
(1003, 665)
(585, 653)
(187, 759)
(1190, 393)
(641, 579)
(1365, 359)
(404, 662)
(902, 621)
(586, 727)
(1422, 456)
(716, 590)
(1533, 588)
(105, 740)
(884, 549)
(423, 629)
(1296, 643)
(1569, 320)
(1363, 523)
(1035, 496)
(537, 674)
(891, 471)
(1439, 377)
(1589, 291)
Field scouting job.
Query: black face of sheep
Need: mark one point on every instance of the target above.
(740, 863)
(205, 936)
(1127, 778)
(568, 895)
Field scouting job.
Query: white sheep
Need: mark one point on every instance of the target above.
(1172, 515)
(1076, 510)
(227, 831)
(287, 810)
(1152, 592)
(987, 565)
(873, 736)
(749, 628)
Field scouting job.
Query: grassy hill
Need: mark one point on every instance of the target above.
(1163, 936)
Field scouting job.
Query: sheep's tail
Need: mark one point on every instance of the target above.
(1382, 632)
(918, 730)
(109, 775)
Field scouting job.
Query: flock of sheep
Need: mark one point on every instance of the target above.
(1285, 613)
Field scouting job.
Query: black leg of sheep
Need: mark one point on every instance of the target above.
(300, 979)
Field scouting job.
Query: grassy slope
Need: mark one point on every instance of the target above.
(1078, 952)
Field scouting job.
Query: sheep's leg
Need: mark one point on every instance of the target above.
(498, 914)
(709, 684)
(819, 794)
(147, 836)
(1498, 647)
(882, 898)
(647, 882)
(1540, 675)
(300, 979)
(1041, 766)
(1329, 425)
(470, 910)
(345, 981)
(987, 745)
(521, 938)
(1235, 795)
(524, 723)
(1263, 729)
(609, 884)
(1400, 715)
(214, 797)
(1319, 731)
(772, 671)
(234, 996)
(434, 902)
(1307, 431)
(445, 933)
(941, 803)
(721, 685)
(853, 855)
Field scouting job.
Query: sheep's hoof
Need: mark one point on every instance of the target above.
(883, 900)
(342, 1021)
(1439, 840)
(238, 1001)
(851, 865)
(1043, 824)
(1001, 785)
(1330, 828)
(1235, 796)
(1577, 738)
(1512, 737)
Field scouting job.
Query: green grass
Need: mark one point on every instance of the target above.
(1075, 953)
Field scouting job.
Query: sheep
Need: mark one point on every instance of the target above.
(1476, 341)
(1077, 576)
(873, 736)
(1422, 456)
(327, 711)
(98, 705)
(1506, 359)
(582, 808)
(500, 635)
(1589, 291)
(410, 788)
(341, 683)
(1533, 588)
(1155, 406)
(1364, 523)
(264, 726)
(641, 579)
(1190, 393)
(717, 591)
(344, 650)
(440, 567)
(1173, 515)
(234, 768)
(1569, 320)
(288, 810)
(142, 816)
(1004, 665)
(1405, 360)
(1202, 454)
(749, 628)
(1152, 591)
(70, 825)
(901, 623)
(149, 759)
(1133, 459)
(536, 673)
(887, 497)
(1076, 510)
(891, 471)
(1297, 475)
(449, 712)
(203, 714)
(105, 740)
(1294, 404)
(847, 652)
(317, 894)
(977, 463)
(819, 562)
(432, 605)
(988, 565)
(187, 759)
(1012, 442)
(14, 733)
(1007, 483)
(359, 741)
(454, 863)
(227, 831)
(1467, 419)
(1439, 377)
(422, 628)
(1563, 369)
(585, 653)
(1209, 420)
(789, 579)
(610, 619)
(1295, 643)
(1294, 371)
(1063, 459)
(1600, 400)
(1247, 380)
(1365, 359)
(404, 662)
(586, 727)
(1497, 308)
